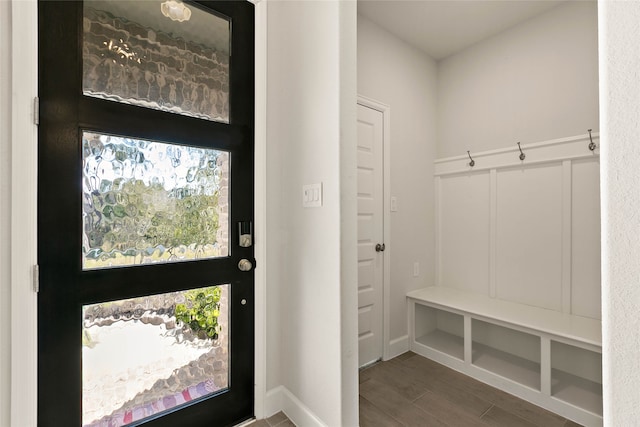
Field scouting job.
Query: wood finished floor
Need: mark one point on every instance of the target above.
(413, 391)
(277, 420)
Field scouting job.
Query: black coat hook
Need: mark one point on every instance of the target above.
(472, 163)
(522, 156)
(592, 145)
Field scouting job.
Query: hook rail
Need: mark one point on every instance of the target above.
(592, 145)
(522, 155)
(472, 163)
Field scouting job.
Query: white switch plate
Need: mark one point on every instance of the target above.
(394, 204)
(416, 269)
(312, 195)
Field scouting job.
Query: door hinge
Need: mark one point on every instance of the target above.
(36, 278)
(36, 111)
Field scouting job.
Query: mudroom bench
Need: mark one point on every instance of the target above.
(549, 358)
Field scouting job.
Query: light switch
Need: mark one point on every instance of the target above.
(312, 195)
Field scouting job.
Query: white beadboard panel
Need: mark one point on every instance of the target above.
(585, 262)
(464, 232)
(529, 236)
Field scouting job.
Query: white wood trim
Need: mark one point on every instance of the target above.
(493, 232)
(514, 147)
(460, 303)
(512, 315)
(545, 365)
(24, 180)
(468, 344)
(386, 219)
(438, 230)
(411, 316)
(297, 411)
(260, 213)
(398, 347)
(579, 344)
(557, 150)
(272, 402)
(566, 235)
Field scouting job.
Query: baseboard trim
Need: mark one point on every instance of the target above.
(398, 346)
(273, 401)
(281, 399)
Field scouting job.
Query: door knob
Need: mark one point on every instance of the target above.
(245, 265)
(380, 247)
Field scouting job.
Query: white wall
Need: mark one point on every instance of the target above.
(5, 209)
(394, 73)
(535, 82)
(310, 138)
(620, 109)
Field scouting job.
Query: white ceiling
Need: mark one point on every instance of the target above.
(442, 28)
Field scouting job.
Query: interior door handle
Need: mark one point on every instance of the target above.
(380, 247)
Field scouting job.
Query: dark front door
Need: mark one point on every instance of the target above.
(145, 211)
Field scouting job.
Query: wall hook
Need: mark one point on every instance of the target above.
(472, 163)
(592, 145)
(522, 155)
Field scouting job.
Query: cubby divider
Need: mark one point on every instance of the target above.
(551, 359)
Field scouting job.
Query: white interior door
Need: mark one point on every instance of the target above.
(370, 234)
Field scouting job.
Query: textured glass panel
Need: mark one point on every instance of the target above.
(146, 355)
(149, 202)
(166, 55)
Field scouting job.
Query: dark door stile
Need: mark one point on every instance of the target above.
(64, 287)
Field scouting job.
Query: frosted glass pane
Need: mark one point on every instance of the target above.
(152, 202)
(146, 355)
(166, 55)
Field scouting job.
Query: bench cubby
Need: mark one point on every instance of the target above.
(551, 359)
(440, 330)
(512, 354)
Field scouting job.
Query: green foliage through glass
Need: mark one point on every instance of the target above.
(200, 311)
(147, 201)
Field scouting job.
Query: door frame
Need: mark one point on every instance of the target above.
(386, 218)
(23, 406)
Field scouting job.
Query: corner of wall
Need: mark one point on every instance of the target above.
(396, 74)
(23, 200)
(5, 213)
(620, 204)
(262, 345)
(348, 214)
